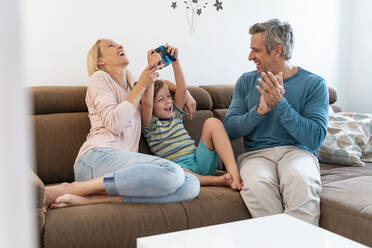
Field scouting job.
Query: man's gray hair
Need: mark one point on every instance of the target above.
(275, 33)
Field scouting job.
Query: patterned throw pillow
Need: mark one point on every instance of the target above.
(348, 140)
(367, 152)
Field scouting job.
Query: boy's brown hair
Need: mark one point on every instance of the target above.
(158, 84)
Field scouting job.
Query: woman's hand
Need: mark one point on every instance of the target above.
(190, 105)
(153, 58)
(149, 75)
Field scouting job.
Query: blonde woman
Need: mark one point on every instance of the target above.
(108, 166)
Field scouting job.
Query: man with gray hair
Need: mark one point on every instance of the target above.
(281, 110)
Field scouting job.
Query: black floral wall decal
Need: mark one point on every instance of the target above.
(218, 5)
(194, 9)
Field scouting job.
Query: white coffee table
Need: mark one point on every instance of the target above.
(272, 231)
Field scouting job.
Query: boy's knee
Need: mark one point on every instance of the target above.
(213, 122)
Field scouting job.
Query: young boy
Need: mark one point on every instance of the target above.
(167, 138)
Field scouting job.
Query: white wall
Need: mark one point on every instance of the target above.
(332, 39)
(58, 35)
(355, 75)
(16, 211)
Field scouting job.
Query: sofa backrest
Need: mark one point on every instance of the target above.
(61, 124)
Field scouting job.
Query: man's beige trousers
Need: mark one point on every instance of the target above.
(281, 179)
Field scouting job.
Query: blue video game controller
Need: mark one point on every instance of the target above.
(166, 57)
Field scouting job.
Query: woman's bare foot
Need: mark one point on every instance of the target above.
(82, 188)
(68, 200)
(52, 193)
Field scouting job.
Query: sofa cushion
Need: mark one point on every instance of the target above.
(58, 99)
(352, 194)
(332, 95)
(346, 203)
(58, 138)
(194, 126)
(335, 172)
(110, 224)
(215, 205)
(348, 139)
(118, 225)
(221, 95)
(220, 113)
(202, 98)
(61, 99)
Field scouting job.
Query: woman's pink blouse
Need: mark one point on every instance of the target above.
(114, 121)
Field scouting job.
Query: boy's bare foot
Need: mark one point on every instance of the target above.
(228, 179)
(224, 180)
(68, 200)
(236, 186)
(237, 183)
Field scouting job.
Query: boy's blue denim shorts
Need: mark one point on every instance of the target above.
(203, 161)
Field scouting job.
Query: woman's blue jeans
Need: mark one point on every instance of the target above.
(137, 177)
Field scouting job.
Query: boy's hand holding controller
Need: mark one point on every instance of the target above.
(190, 103)
(172, 53)
(169, 54)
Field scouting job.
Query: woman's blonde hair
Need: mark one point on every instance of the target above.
(92, 66)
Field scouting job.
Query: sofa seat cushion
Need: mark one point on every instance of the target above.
(215, 205)
(333, 172)
(346, 202)
(118, 225)
(352, 194)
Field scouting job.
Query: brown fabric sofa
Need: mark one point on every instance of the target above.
(61, 124)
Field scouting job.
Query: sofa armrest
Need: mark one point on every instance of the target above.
(39, 190)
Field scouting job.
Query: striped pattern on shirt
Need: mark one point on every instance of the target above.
(168, 138)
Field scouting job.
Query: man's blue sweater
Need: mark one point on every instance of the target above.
(299, 119)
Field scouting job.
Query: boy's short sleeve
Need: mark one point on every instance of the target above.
(151, 127)
(178, 112)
